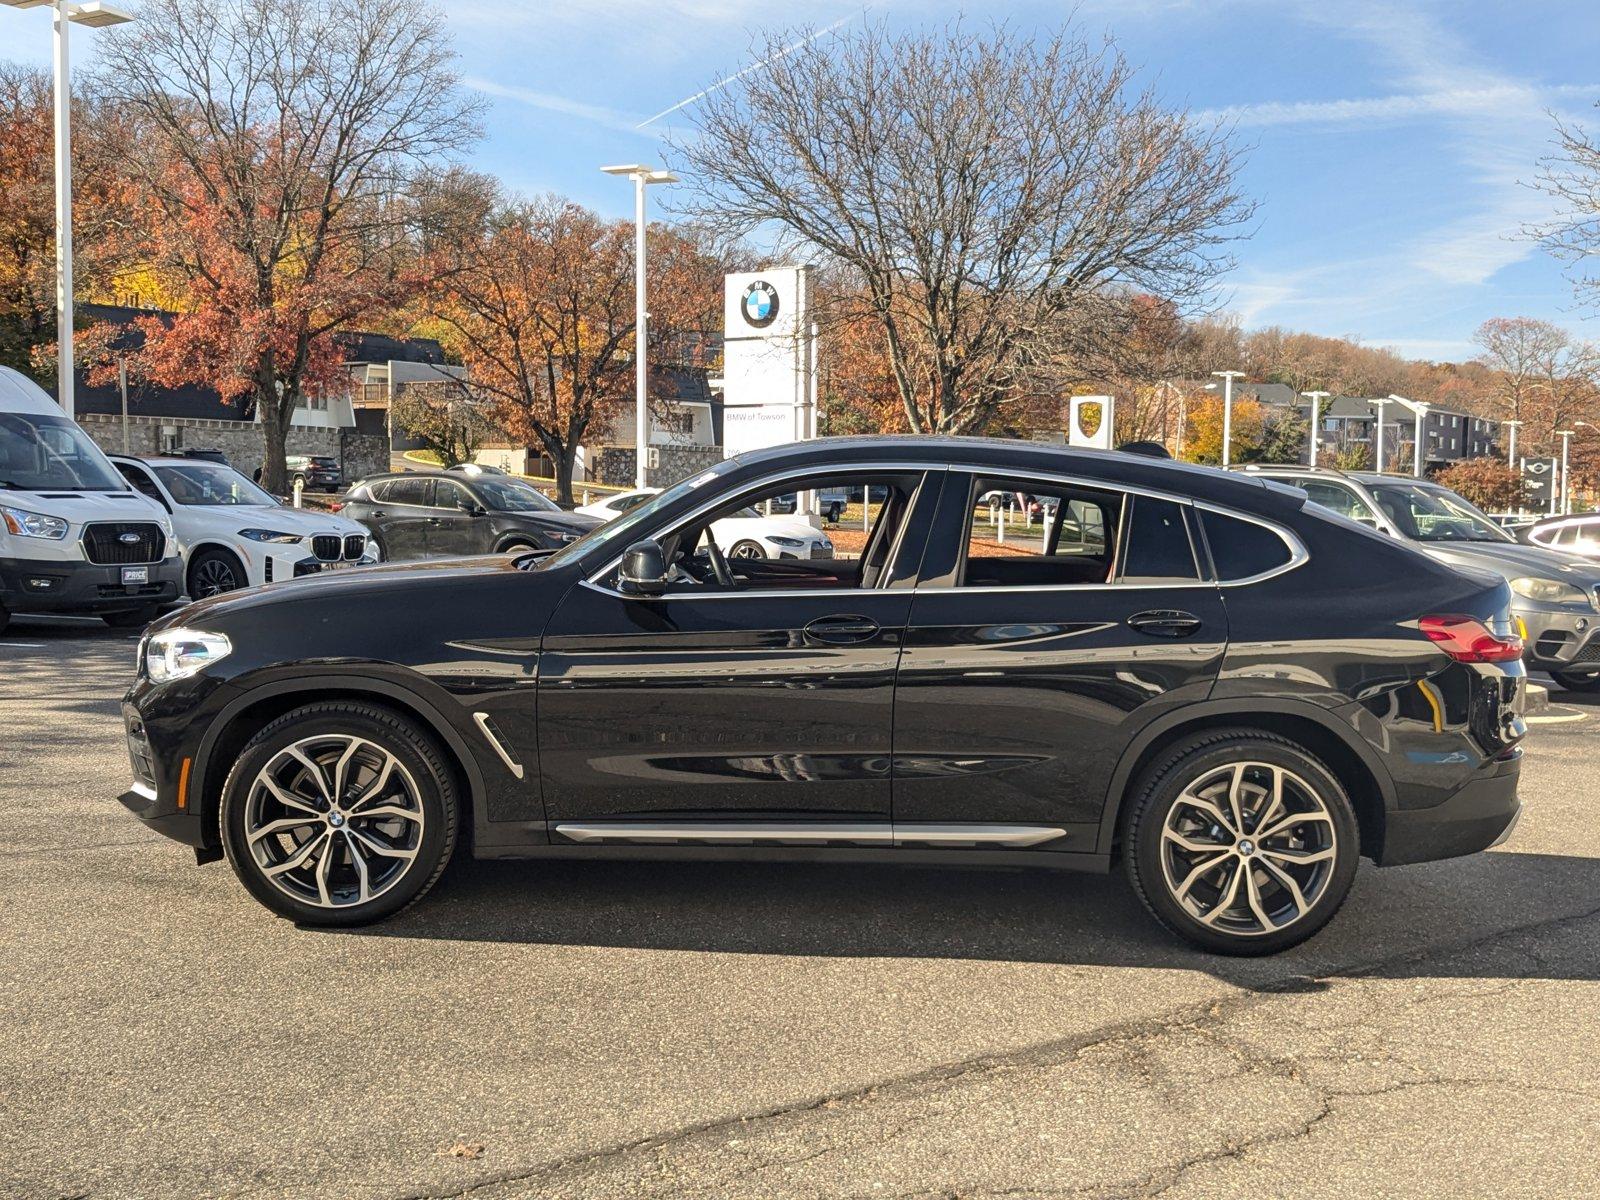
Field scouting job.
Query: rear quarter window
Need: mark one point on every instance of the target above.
(1242, 549)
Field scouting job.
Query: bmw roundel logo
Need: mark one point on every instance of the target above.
(760, 304)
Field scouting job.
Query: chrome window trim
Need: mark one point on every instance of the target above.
(593, 580)
(1298, 554)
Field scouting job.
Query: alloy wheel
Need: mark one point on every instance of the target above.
(1248, 848)
(213, 577)
(746, 550)
(333, 820)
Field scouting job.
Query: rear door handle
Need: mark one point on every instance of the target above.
(378, 512)
(1164, 622)
(842, 630)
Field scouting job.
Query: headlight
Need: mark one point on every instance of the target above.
(784, 541)
(36, 525)
(269, 535)
(1548, 591)
(180, 653)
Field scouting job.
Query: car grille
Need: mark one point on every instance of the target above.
(1589, 652)
(355, 545)
(327, 546)
(103, 543)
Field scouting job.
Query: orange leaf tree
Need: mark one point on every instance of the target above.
(279, 140)
(540, 306)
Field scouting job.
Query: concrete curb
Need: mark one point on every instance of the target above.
(1538, 699)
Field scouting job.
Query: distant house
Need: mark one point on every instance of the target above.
(1451, 434)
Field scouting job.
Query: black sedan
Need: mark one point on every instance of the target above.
(1231, 692)
(417, 515)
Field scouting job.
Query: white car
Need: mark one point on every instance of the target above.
(232, 534)
(745, 534)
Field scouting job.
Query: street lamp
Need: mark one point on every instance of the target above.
(642, 177)
(1511, 450)
(95, 15)
(1377, 442)
(1316, 399)
(1419, 408)
(1227, 378)
(1566, 491)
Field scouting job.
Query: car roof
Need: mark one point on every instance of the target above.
(1362, 477)
(168, 460)
(1109, 467)
(18, 393)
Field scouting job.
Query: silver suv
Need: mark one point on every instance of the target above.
(1555, 596)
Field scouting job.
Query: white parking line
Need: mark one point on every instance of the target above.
(21, 645)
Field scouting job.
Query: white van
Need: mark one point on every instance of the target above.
(74, 537)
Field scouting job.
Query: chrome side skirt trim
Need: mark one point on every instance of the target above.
(512, 764)
(805, 833)
(1015, 836)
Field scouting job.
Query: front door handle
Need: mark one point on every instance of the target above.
(842, 630)
(1164, 622)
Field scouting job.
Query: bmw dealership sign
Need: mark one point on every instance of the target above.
(767, 359)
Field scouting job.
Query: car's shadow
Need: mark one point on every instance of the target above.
(1458, 918)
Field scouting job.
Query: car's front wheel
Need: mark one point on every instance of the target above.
(212, 572)
(1575, 681)
(339, 813)
(747, 549)
(1241, 842)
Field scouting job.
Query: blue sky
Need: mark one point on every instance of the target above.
(1393, 141)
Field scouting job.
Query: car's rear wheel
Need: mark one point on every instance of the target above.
(212, 572)
(747, 549)
(1576, 681)
(1241, 842)
(339, 813)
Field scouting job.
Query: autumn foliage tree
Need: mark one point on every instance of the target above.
(27, 212)
(279, 142)
(1487, 482)
(539, 304)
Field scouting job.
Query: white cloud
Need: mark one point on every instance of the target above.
(609, 118)
(1492, 102)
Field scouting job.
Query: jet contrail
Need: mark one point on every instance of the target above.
(756, 66)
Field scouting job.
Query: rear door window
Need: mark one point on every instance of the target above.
(404, 491)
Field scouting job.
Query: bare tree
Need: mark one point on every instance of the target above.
(446, 416)
(987, 192)
(278, 141)
(1571, 176)
(1549, 378)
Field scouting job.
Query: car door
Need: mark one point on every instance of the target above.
(458, 524)
(141, 481)
(769, 703)
(1037, 649)
(401, 509)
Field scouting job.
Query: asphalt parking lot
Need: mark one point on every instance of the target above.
(721, 1031)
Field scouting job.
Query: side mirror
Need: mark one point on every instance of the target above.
(643, 571)
(478, 510)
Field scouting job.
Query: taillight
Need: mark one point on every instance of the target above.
(1467, 639)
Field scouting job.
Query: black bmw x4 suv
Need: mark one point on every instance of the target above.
(1229, 692)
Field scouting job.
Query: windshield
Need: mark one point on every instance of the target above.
(204, 484)
(1429, 514)
(512, 495)
(48, 453)
(622, 529)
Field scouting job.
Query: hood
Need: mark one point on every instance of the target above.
(285, 519)
(575, 522)
(343, 586)
(1511, 559)
(81, 507)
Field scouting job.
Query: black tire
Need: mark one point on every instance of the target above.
(1576, 681)
(210, 572)
(1217, 758)
(424, 768)
(747, 549)
(835, 511)
(517, 546)
(132, 618)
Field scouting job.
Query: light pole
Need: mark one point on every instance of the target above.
(1316, 399)
(1511, 451)
(1566, 489)
(1377, 441)
(1227, 378)
(642, 177)
(95, 15)
(1420, 409)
